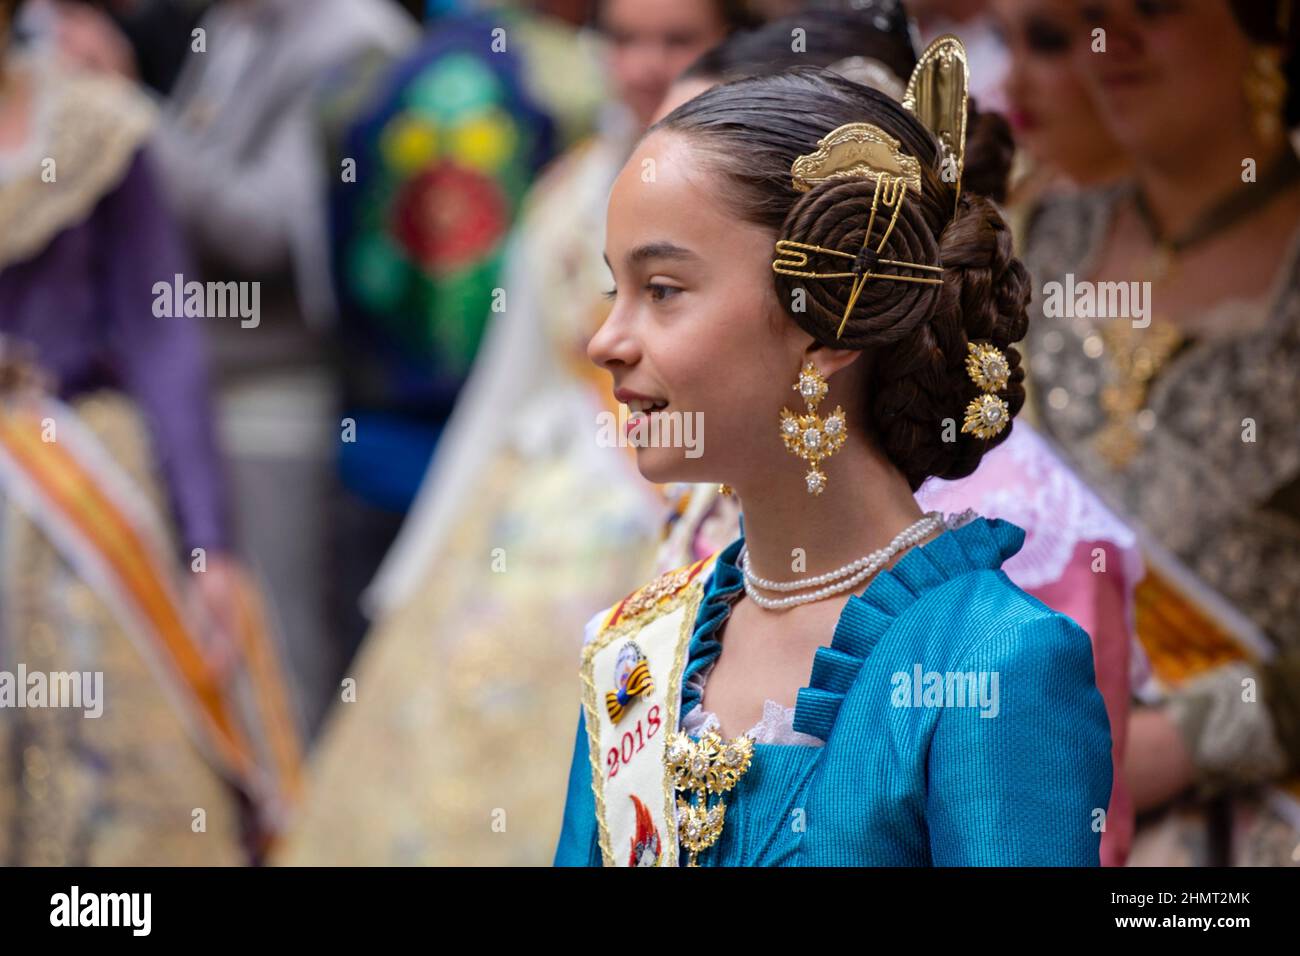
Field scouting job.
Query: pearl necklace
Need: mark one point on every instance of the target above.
(839, 580)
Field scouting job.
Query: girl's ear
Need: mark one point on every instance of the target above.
(828, 360)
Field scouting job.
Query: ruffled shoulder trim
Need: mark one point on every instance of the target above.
(980, 545)
(705, 647)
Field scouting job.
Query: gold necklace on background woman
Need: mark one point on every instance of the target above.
(1138, 354)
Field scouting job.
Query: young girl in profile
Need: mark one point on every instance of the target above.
(796, 264)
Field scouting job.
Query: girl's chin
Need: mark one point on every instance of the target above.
(665, 469)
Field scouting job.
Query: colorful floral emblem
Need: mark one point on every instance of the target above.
(448, 217)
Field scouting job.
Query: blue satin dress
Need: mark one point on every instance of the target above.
(1015, 771)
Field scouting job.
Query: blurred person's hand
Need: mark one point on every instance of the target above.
(219, 591)
(1157, 763)
(88, 39)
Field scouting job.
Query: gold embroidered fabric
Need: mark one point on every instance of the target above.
(95, 127)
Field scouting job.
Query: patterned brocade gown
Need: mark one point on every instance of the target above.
(1192, 433)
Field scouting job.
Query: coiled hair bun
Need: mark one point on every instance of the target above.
(915, 336)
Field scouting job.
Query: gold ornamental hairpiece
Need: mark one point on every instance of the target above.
(855, 151)
(937, 93)
(891, 190)
(987, 414)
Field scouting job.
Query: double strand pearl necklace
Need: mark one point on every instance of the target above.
(841, 579)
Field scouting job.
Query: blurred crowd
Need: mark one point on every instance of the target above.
(297, 424)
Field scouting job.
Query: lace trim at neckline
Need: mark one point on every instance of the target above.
(776, 726)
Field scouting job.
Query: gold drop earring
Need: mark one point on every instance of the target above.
(808, 435)
(1265, 87)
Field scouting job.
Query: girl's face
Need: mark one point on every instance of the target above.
(696, 327)
(650, 44)
(1172, 70)
(1050, 109)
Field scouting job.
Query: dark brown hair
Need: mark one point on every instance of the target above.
(829, 37)
(915, 336)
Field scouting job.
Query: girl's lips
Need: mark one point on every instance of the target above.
(635, 418)
(627, 396)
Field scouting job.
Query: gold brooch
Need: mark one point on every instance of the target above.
(661, 587)
(711, 766)
(988, 368)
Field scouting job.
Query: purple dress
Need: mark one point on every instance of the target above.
(85, 303)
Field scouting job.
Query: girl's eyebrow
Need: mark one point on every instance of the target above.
(655, 250)
(659, 250)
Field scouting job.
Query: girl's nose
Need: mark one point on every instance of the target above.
(613, 344)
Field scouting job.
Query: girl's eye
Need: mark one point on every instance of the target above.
(659, 292)
(610, 293)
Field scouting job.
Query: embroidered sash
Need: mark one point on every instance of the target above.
(632, 693)
(91, 510)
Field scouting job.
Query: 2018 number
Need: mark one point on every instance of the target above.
(631, 745)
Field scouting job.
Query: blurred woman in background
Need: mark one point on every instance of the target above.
(1181, 404)
(89, 577)
(1061, 140)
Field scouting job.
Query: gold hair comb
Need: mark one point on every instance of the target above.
(938, 95)
(855, 151)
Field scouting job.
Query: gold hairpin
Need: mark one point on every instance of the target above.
(856, 151)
